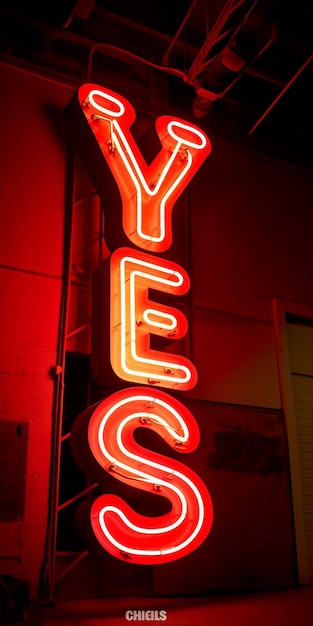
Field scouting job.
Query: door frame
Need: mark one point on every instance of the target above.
(281, 308)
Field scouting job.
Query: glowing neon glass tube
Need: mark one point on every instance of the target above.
(120, 530)
(134, 318)
(148, 192)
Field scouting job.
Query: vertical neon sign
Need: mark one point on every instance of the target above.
(148, 194)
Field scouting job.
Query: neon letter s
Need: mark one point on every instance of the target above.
(120, 530)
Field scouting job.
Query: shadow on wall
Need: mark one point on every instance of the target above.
(251, 453)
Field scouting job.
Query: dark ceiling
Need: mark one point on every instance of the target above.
(242, 68)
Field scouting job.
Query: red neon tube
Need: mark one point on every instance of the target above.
(120, 530)
(134, 317)
(148, 192)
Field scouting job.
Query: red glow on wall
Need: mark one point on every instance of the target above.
(148, 192)
(118, 528)
(134, 317)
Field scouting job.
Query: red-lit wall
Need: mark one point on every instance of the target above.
(243, 232)
(31, 231)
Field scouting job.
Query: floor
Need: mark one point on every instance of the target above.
(292, 607)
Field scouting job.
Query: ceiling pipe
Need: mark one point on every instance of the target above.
(81, 9)
(280, 95)
(247, 68)
(165, 59)
(198, 64)
(220, 73)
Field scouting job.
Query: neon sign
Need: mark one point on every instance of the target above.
(148, 194)
(134, 317)
(119, 529)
